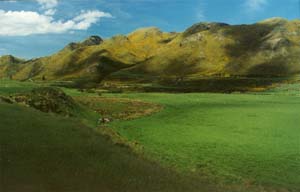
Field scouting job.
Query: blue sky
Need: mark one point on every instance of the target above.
(34, 28)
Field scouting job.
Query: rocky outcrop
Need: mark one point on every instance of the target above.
(203, 26)
(92, 40)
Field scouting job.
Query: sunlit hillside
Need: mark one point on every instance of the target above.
(269, 48)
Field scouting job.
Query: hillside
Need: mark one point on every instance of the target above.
(9, 65)
(269, 48)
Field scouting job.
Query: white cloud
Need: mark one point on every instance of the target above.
(48, 4)
(50, 12)
(255, 5)
(23, 23)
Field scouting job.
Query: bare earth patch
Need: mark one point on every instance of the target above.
(119, 108)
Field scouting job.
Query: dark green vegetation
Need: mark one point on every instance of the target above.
(40, 152)
(46, 152)
(208, 54)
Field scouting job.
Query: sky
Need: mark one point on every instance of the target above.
(35, 28)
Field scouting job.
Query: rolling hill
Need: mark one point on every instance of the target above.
(9, 65)
(270, 48)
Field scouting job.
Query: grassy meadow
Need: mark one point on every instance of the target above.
(186, 142)
(231, 138)
(48, 152)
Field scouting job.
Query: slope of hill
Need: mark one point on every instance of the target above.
(84, 62)
(269, 48)
(9, 65)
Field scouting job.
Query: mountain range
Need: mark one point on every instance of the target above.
(270, 48)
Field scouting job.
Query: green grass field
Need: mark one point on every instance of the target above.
(47, 152)
(238, 142)
(250, 139)
(10, 87)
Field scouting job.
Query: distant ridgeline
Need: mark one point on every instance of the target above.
(270, 48)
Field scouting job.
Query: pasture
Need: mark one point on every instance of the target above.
(230, 142)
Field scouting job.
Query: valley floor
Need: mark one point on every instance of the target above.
(233, 138)
(202, 141)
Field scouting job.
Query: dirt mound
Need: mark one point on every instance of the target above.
(46, 99)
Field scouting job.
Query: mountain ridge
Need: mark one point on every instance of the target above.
(268, 48)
